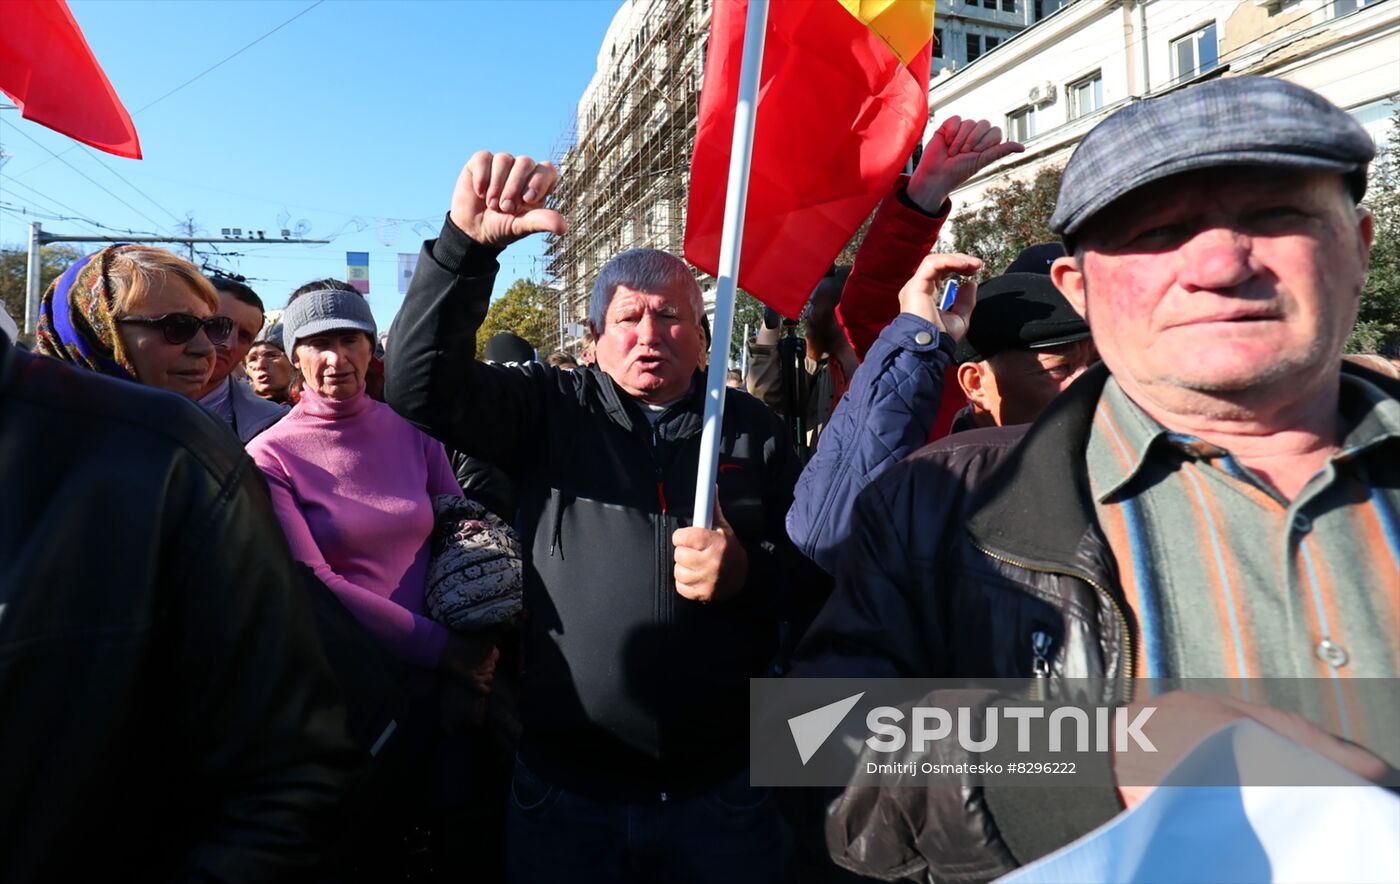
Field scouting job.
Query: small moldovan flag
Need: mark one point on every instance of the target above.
(357, 271)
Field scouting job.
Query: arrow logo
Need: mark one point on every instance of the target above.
(810, 729)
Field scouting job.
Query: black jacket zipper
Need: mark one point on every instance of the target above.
(664, 602)
(1041, 643)
(1126, 671)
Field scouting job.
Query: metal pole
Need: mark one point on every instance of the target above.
(735, 201)
(33, 276)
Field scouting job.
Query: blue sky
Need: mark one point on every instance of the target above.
(354, 113)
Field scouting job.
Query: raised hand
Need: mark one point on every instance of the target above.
(922, 292)
(500, 198)
(957, 151)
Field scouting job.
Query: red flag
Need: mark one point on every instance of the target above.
(52, 75)
(843, 99)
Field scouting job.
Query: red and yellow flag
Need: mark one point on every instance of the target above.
(843, 99)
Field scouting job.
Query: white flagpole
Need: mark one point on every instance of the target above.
(735, 197)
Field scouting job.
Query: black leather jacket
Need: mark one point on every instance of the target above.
(168, 712)
(958, 556)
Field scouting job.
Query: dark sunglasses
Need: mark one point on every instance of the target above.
(180, 328)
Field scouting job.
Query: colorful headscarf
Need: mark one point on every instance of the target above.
(76, 321)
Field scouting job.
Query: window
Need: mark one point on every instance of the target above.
(1020, 124)
(1085, 96)
(1343, 7)
(989, 4)
(937, 42)
(992, 42)
(1195, 53)
(1008, 5)
(1375, 119)
(974, 47)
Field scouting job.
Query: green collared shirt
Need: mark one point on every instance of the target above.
(1227, 578)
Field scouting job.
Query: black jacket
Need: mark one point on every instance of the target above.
(629, 690)
(485, 483)
(168, 712)
(958, 556)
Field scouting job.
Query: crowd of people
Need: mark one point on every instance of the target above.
(299, 601)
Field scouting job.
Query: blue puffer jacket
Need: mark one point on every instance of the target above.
(885, 416)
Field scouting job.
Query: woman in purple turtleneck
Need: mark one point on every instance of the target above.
(352, 484)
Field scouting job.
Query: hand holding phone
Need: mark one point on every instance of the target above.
(950, 295)
(942, 291)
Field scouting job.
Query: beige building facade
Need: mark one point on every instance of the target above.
(1053, 82)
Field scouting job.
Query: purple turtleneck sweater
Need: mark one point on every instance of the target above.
(351, 483)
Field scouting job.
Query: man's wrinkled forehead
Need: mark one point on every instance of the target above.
(664, 303)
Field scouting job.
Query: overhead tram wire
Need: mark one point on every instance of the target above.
(81, 172)
(227, 58)
(435, 219)
(41, 195)
(40, 206)
(27, 216)
(23, 211)
(122, 178)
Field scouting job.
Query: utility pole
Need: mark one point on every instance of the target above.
(38, 238)
(32, 272)
(189, 231)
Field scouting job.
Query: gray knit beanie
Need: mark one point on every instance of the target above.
(323, 311)
(271, 334)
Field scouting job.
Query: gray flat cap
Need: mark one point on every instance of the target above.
(1241, 121)
(326, 310)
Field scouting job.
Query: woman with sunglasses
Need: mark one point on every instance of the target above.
(135, 312)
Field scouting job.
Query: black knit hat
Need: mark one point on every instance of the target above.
(508, 348)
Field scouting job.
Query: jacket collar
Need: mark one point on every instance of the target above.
(682, 420)
(1036, 506)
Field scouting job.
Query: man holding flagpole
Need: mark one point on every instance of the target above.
(642, 629)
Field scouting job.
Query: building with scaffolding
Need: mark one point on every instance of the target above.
(624, 160)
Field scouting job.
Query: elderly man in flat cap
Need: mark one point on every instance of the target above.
(1220, 498)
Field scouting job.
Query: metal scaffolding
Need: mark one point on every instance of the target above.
(624, 159)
